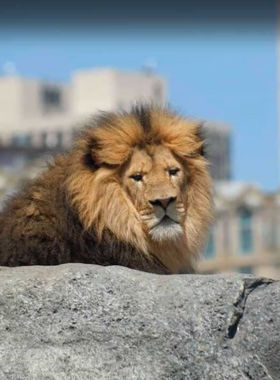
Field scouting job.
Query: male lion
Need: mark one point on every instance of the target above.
(134, 191)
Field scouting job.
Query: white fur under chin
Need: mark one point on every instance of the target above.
(167, 229)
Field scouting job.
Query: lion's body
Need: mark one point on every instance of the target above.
(103, 202)
(39, 227)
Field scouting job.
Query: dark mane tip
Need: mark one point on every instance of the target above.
(142, 112)
(88, 161)
(201, 134)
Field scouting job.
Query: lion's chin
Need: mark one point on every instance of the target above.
(167, 229)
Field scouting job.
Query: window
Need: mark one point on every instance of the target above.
(44, 139)
(226, 233)
(245, 231)
(245, 270)
(59, 139)
(51, 98)
(210, 249)
(271, 233)
(21, 140)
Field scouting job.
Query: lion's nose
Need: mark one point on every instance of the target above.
(162, 202)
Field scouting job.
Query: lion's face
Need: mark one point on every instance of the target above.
(155, 180)
(143, 176)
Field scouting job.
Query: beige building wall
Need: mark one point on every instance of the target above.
(22, 107)
(93, 90)
(110, 90)
(11, 107)
(227, 256)
(137, 87)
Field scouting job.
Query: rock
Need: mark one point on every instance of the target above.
(78, 321)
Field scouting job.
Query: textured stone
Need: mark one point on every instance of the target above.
(84, 322)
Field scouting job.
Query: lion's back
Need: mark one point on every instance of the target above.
(33, 222)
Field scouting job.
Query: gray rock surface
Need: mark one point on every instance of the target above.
(78, 321)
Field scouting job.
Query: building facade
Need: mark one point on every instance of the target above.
(218, 149)
(245, 237)
(38, 116)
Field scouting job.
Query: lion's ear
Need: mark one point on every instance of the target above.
(201, 141)
(90, 156)
(99, 154)
(89, 161)
(197, 147)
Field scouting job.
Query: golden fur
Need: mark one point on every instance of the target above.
(110, 200)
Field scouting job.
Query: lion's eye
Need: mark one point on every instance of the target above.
(174, 171)
(137, 177)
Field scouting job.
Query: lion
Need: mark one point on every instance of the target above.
(134, 190)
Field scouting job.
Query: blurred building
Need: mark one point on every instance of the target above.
(245, 237)
(38, 116)
(218, 149)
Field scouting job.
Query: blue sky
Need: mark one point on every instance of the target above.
(225, 75)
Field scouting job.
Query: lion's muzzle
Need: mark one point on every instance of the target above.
(163, 202)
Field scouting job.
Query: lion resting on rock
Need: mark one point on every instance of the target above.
(134, 191)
